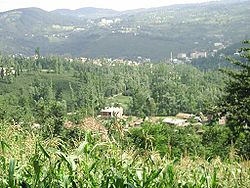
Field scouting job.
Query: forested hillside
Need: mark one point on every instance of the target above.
(147, 98)
(159, 89)
(149, 33)
(51, 136)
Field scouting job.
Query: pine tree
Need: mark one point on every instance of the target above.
(236, 102)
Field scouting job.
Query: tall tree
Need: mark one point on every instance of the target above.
(236, 102)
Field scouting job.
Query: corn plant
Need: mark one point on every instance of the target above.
(28, 161)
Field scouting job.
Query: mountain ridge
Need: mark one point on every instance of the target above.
(151, 33)
(87, 12)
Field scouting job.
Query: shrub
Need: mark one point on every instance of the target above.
(217, 141)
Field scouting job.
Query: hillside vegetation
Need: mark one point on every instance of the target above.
(150, 33)
(27, 160)
(152, 89)
(50, 134)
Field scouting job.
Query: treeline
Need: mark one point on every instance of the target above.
(192, 141)
(154, 89)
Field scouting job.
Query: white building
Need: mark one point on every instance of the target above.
(105, 22)
(112, 112)
(196, 55)
(174, 121)
(182, 56)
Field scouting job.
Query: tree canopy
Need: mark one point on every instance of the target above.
(236, 102)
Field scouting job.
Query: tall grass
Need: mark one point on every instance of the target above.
(28, 161)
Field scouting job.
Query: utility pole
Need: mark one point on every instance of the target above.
(171, 57)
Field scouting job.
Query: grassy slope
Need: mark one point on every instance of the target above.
(124, 101)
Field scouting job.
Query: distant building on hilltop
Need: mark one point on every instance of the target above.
(182, 56)
(196, 55)
(219, 45)
(7, 71)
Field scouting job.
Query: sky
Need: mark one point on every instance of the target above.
(74, 4)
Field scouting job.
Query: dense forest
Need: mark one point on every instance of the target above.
(51, 135)
(151, 89)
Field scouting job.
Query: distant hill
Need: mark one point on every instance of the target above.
(150, 33)
(87, 12)
(31, 19)
(22, 30)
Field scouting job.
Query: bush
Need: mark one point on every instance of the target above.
(217, 141)
(242, 144)
(170, 140)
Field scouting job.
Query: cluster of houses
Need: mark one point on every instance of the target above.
(4, 71)
(181, 119)
(112, 62)
(184, 58)
(108, 22)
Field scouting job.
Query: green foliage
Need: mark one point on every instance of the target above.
(235, 103)
(95, 163)
(156, 37)
(159, 89)
(177, 142)
(51, 116)
(172, 141)
(243, 145)
(34, 109)
(217, 140)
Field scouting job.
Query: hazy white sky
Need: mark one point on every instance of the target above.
(74, 4)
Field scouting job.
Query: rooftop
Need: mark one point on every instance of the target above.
(112, 109)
